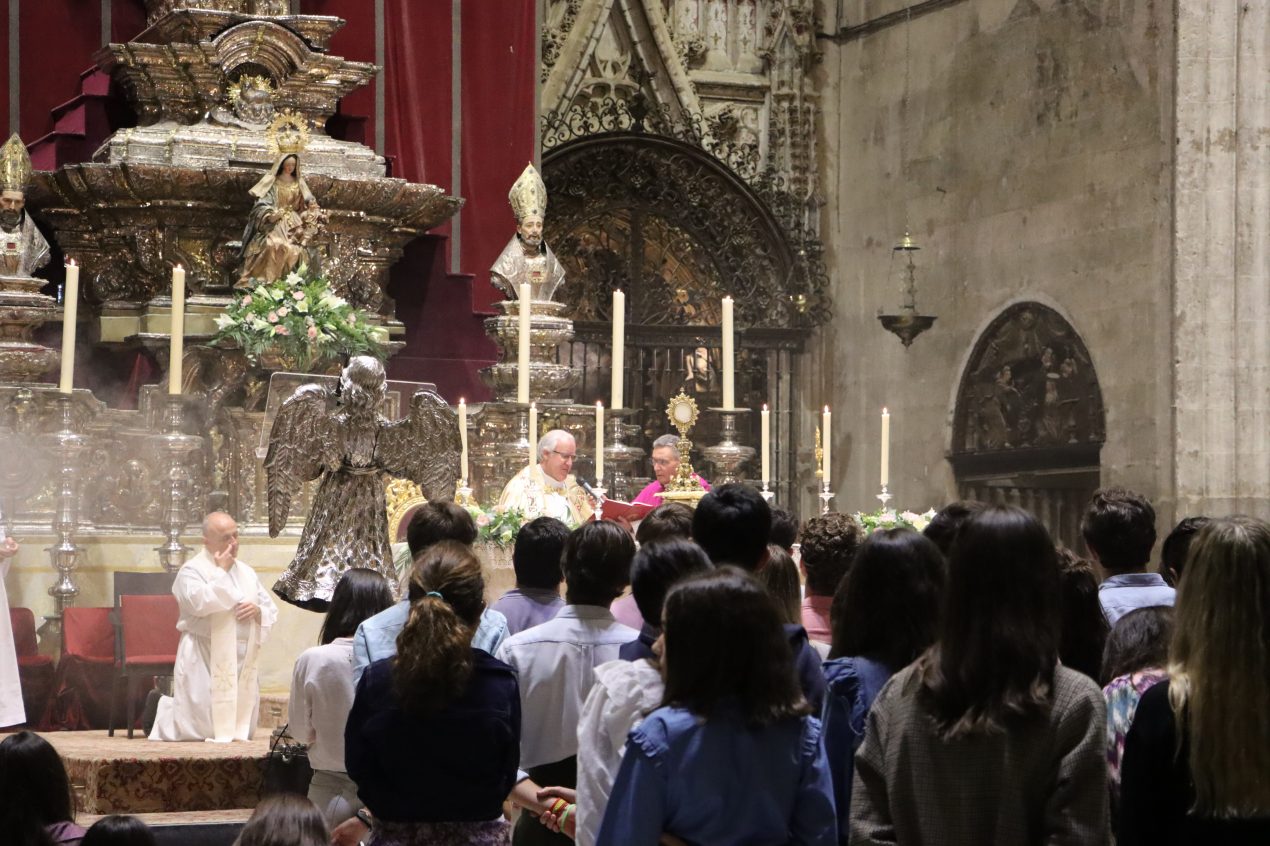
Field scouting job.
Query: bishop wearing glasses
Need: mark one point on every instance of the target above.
(548, 489)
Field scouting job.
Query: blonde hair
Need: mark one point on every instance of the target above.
(1219, 667)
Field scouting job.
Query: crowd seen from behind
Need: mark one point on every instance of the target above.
(729, 676)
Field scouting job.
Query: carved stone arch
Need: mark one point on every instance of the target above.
(613, 49)
(1029, 421)
(676, 229)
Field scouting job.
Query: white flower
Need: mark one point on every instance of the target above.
(259, 324)
(224, 321)
(379, 334)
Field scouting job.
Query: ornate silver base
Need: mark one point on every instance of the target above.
(177, 445)
(620, 458)
(727, 456)
(825, 496)
(68, 444)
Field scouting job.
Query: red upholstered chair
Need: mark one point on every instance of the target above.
(149, 639)
(34, 670)
(85, 671)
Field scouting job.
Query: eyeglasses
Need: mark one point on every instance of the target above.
(664, 462)
(567, 456)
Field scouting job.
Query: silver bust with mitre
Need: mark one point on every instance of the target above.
(527, 258)
(23, 249)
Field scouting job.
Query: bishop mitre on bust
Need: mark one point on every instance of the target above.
(23, 249)
(527, 258)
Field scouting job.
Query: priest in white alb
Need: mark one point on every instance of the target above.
(547, 488)
(226, 614)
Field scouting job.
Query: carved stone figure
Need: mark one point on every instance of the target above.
(23, 249)
(527, 258)
(340, 436)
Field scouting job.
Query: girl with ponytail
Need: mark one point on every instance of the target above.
(433, 739)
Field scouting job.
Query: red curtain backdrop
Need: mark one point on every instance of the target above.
(355, 41)
(498, 127)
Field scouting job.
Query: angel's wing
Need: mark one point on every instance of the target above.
(423, 447)
(302, 442)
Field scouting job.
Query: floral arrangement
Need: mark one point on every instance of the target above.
(300, 319)
(497, 527)
(889, 519)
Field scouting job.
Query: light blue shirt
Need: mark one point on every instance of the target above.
(720, 782)
(376, 638)
(555, 663)
(1125, 592)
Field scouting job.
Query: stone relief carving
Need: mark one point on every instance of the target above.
(739, 69)
(1030, 383)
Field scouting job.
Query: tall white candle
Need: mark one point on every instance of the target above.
(729, 357)
(176, 344)
(463, 477)
(766, 437)
(525, 308)
(70, 312)
(599, 443)
(827, 444)
(533, 434)
(619, 349)
(886, 447)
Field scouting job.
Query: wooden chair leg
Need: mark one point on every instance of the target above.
(114, 705)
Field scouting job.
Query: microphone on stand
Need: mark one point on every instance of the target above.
(591, 492)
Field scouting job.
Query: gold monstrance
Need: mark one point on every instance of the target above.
(685, 487)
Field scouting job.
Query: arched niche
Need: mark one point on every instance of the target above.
(1029, 422)
(677, 229)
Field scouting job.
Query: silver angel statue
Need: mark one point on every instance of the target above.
(340, 435)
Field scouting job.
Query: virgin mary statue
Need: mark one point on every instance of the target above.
(281, 224)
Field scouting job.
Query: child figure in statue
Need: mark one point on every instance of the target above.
(281, 225)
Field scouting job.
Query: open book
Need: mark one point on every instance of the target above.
(632, 511)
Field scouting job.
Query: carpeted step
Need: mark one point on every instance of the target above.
(115, 775)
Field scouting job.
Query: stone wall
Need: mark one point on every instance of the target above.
(1031, 160)
(1222, 258)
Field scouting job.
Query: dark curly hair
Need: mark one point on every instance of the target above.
(1119, 528)
(829, 542)
(434, 650)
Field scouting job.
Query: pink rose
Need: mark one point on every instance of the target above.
(284, 311)
(272, 317)
(299, 295)
(352, 318)
(482, 520)
(247, 300)
(281, 330)
(312, 332)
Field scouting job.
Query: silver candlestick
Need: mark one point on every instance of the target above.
(620, 457)
(825, 496)
(768, 495)
(727, 456)
(178, 446)
(69, 446)
(885, 497)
